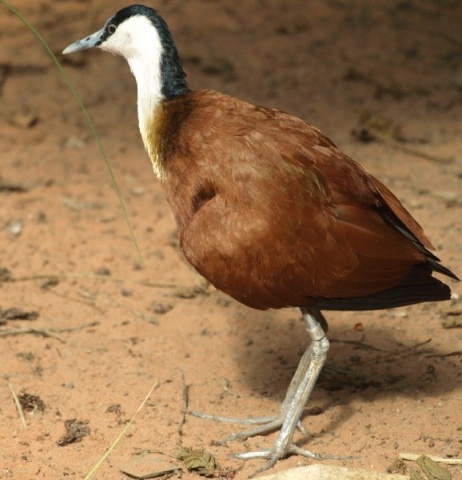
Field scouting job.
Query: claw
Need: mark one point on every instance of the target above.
(273, 456)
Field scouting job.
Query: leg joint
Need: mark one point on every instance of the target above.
(316, 332)
(320, 343)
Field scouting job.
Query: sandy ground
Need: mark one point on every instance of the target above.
(96, 330)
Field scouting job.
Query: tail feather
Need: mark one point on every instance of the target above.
(437, 267)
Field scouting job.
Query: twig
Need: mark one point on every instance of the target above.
(184, 389)
(400, 353)
(18, 406)
(91, 276)
(6, 332)
(412, 457)
(456, 353)
(74, 329)
(77, 300)
(411, 151)
(43, 331)
(357, 343)
(147, 283)
(388, 352)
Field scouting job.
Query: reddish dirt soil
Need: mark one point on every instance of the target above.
(109, 329)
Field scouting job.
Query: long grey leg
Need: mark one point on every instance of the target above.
(297, 396)
(270, 423)
(299, 392)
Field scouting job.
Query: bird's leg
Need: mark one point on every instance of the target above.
(297, 396)
(302, 368)
(270, 423)
(299, 392)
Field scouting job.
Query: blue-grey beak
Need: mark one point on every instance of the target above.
(93, 40)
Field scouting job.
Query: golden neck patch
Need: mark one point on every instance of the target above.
(151, 133)
(163, 131)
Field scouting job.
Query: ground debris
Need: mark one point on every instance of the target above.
(5, 332)
(147, 465)
(413, 457)
(77, 205)
(160, 308)
(114, 408)
(398, 466)
(75, 431)
(15, 313)
(415, 475)
(452, 319)
(199, 461)
(49, 282)
(13, 187)
(5, 69)
(200, 288)
(377, 127)
(5, 274)
(330, 472)
(14, 226)
(389, 87)
(432, 470)
(23, 119)
(31, 403)
(103, 272)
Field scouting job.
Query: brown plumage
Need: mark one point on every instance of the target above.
(273, 214)
(268, 209)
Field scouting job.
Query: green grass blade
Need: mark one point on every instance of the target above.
(88, 118)
(119, 437)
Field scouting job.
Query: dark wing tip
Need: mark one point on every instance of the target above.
(417, 287)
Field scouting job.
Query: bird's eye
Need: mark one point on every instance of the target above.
(111, 28)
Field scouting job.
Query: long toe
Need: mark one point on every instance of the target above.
(240, 421)
(273, 456)
(266, 425)
(262, 429)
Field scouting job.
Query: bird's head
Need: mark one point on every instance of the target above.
(128, 33)
(140, 35)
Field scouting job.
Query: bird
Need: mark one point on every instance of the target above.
(268, 209)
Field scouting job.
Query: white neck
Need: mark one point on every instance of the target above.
(147, 74)
(138, 41)
(150, 96)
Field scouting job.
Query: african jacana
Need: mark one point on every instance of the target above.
(267, 208)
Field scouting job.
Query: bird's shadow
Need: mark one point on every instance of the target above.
(362, 366)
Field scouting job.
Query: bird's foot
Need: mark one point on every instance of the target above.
(265, 425)
(275, 454)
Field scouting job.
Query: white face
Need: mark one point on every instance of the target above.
(137, 40)
(134, 38)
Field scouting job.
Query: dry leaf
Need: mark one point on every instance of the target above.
(200, 461)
